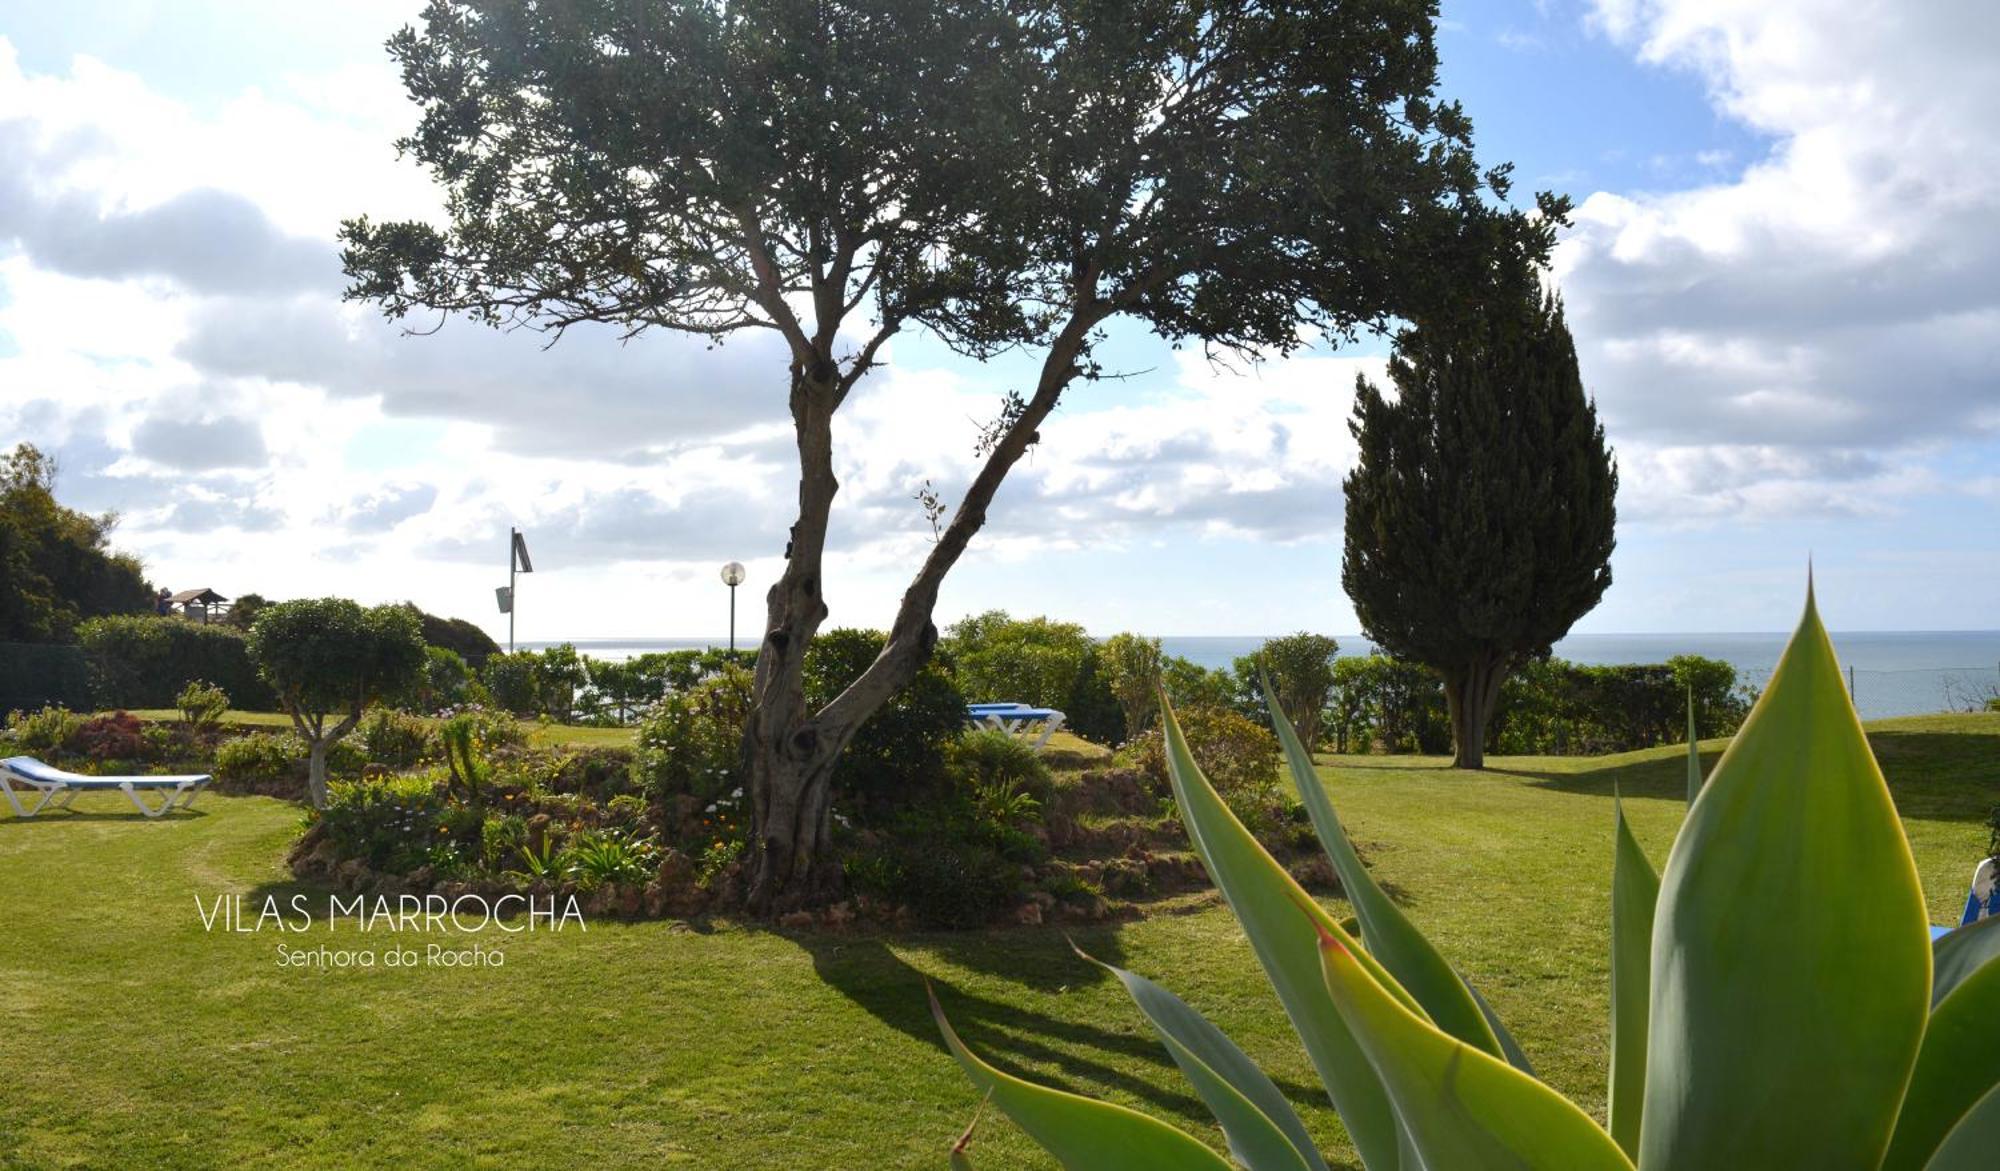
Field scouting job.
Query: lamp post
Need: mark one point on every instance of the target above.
(732, 576)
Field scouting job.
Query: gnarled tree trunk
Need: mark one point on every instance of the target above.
(789, 752)
(316, 773)
(1471, 692)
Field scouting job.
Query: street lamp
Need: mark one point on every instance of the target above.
(732, 576)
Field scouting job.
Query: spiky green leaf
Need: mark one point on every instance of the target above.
(1959, 1062)
(1957, 954)
(1635, 891)
(1264, 1131)
(1463, 1107)
(1791, 954)
(1273, 909)
(1970, 1145)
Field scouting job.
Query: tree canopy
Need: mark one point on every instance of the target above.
(328, 656)
(56, 564)
(1000, 174)
(1480, 515)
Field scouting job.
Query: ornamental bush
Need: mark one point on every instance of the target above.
(691, 742)
(897, 756)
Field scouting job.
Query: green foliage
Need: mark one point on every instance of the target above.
(1194, 686)
(1773, 1002)
(1236, 753)
(897, 755)
(48, 732)
(560, 676)
(202, 706)
(456, 635)
(328, 655)
(606, 857)
(464, 759)
(1004, 777)
(447, 680)
(1480, 513)
(56, 565)
(390, 823)
(143, 661)
(947, 880)
(1036, 661)
(1130, 666)
(1091, 711)
(259, 758)
(35, 675)
(244, 610)
(514, 682)
(394, 738)
(1382, 700)
(691, 742)
(1300, 669)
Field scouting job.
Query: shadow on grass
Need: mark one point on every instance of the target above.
(1020, 1040)
(1933, 776)
(62, 816)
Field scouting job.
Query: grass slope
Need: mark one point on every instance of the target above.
(130, 1037)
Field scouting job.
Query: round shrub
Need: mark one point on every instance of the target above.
(514, 682)
(202, 705)
(394, 738)
(112, 736)
(994, 762)
(1236, 753)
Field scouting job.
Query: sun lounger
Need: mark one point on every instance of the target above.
(1016, 719)
(22, 776)
(1984, 898)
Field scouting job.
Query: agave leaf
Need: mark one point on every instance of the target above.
(1264, 1132)
(1957, 954)
(961, 1151)
(1959, 1062)
(1635, 891)
(1085, 1135)
(1388, 934)
(1791, 961)
(1268, 903)
(1463, 1107)
(1970, 1145)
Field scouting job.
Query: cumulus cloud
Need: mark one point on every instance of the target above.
(200, 445)
(1838, 294)
(387, 507)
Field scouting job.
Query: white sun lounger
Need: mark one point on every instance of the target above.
(57, 788)
(1034, 724)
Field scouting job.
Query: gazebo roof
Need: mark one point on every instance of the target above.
(203, 595)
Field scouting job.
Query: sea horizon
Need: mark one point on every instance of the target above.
(1892, 672)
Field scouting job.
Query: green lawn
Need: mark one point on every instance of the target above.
(129, 1037)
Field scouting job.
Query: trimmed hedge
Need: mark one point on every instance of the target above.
(36, 675)
(143, 661)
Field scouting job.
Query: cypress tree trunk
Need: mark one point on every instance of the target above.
(1471, 693)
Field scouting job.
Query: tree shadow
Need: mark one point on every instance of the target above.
(1933, 776)
(1011, 1037)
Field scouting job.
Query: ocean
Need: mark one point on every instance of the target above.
(1894, 673)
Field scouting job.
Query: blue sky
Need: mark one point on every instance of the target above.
(1775, 278)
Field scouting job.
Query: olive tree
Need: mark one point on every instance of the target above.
(329, 658)
(999, 174)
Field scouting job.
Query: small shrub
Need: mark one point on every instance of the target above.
(604, 857)
(1236, 753)
(513, 682)
(500, 838)
(691, 741)
(394, 738)
(465, 762)
(202, 706)
(112, 736)
(48, 732)
(260, 758)
(391, 824)
(1002, 777)
(494, 728)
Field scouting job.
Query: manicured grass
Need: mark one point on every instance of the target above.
(130, 1037)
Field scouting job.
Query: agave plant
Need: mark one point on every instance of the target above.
(1776, 1001)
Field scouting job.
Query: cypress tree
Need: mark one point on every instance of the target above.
(1479, 518)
